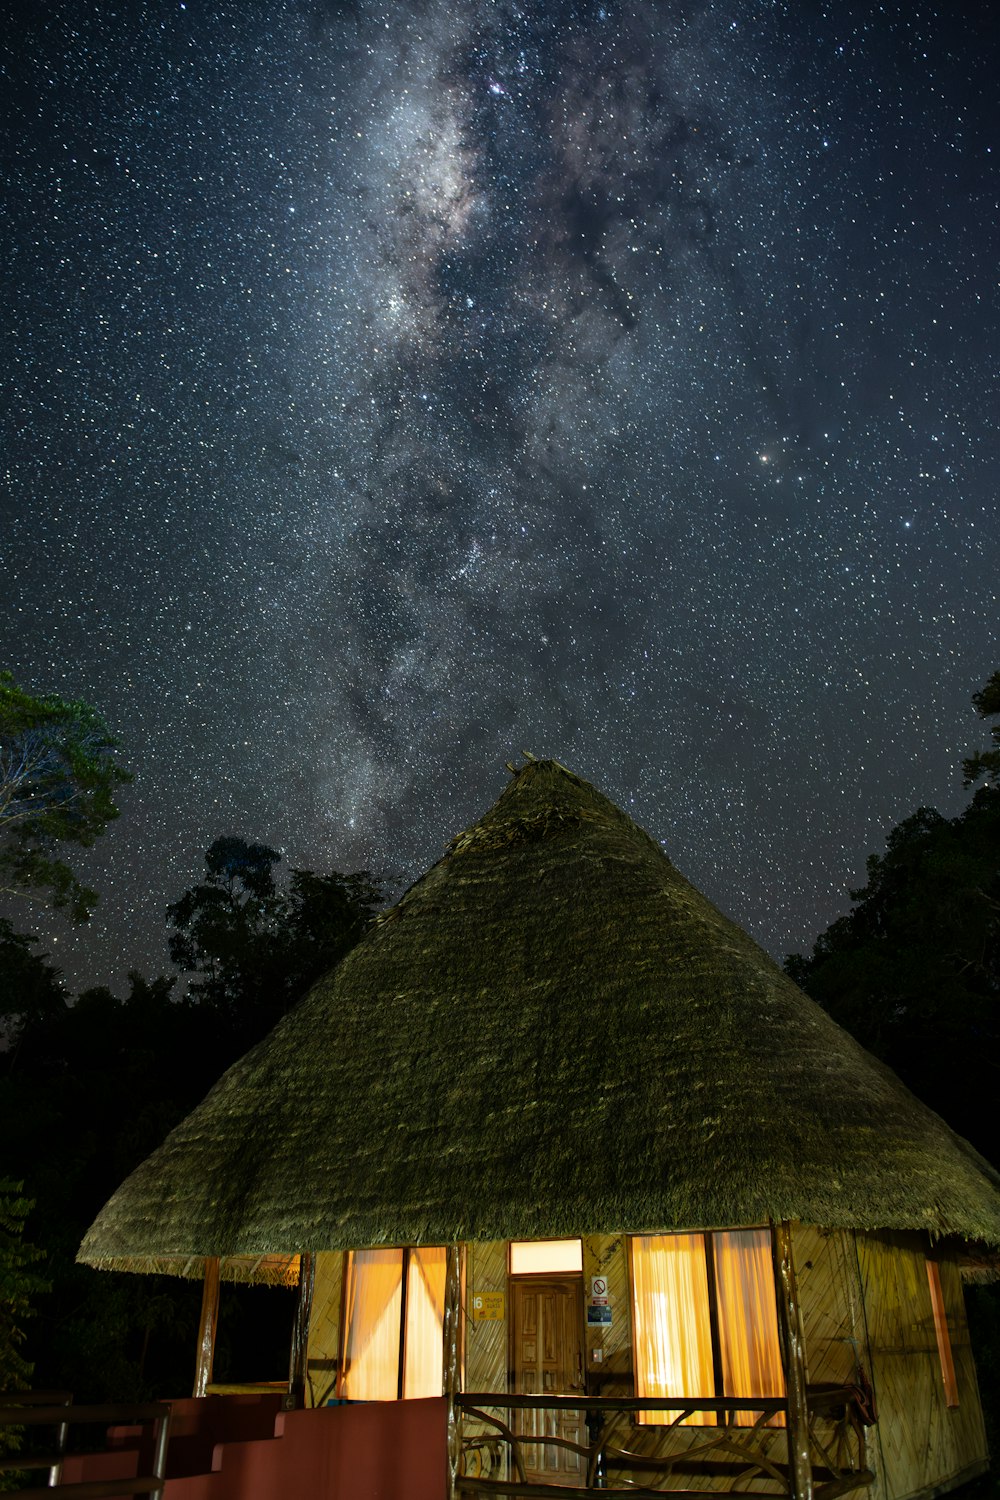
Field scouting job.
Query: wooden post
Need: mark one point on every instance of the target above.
(793, 1359)
(452, 1361)
(207, 1326)
(300, 1330)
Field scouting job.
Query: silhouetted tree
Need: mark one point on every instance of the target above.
(986, 762)
(253, 946)
(58, 776)
(913, 970)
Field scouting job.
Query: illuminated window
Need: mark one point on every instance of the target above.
(546, 1257)
(943, 1335)
(393, 1339)
(705, 1321)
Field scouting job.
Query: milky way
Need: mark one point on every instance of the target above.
(390, 389)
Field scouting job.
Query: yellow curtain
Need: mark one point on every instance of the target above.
(373, 1305)
(673, 1336)
(748, 1319)
(423, 1367)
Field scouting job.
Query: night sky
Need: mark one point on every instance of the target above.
(392, 387)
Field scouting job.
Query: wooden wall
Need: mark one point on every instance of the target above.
(919, 1443)
(865, 1301)
(324, 1329)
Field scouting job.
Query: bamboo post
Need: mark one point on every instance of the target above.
(793, 1359)
(206, 1327)
(162, 1430)
(300, 1329)
(452, 1363)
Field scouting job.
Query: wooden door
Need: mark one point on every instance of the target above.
(547, 1355)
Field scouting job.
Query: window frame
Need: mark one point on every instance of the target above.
(342, 1331)
(569, 1239)
(726, 1419)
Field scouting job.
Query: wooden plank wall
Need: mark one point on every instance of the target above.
(830, 1294)
(486, 1351)
(324, 1329)
(485, 1342)
(921, 1443)
(865, 1299)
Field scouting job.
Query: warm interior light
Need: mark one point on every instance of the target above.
(748, 1319)
(673, 1334)
(545, 1257)
(672, 1294)
(423, 1366)
(373, 1309)
(372, 1305)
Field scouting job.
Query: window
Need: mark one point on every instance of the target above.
(943, 1335)
(393, 1329)
(541, 1257)
(705, 1321)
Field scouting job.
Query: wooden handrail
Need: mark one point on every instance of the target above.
(832, 1480)
(56, 1409)
(574, 1492)
(768, 1405)
(821, 1398)
(111, 1415)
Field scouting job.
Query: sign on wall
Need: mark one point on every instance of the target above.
(488, 1307)
(599, 1305)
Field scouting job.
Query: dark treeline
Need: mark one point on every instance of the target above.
(913, 971)
(91, 1085)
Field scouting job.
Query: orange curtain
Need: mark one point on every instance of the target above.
(943, 1336)
(423, 1366)
(673, 1336)
(372, 1306)
(748, 1319)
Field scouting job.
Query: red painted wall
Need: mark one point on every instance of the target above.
(242, 1448)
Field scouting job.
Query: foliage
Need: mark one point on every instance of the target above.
(19, 1284)
(30, 991)
(913, 971)
(986, 762)
(254, 947)
(89, 1088)
(58, 776)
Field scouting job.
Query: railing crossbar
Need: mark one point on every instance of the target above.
(685, 1405)
(56, 1409)
(740, 1457)
(579, 1492)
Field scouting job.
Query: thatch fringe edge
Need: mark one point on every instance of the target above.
(248, 1270)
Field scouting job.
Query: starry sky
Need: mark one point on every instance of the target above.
(392, 387)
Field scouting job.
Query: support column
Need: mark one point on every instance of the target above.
(793, 1359)
(452, 1360)
(300, 1331)
(207, 1325)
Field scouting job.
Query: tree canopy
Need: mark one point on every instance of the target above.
(254, 946)
(88, 1087)
(986, 762)
(58, 777)
(913, 970)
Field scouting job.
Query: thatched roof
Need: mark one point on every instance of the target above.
(552, 1033)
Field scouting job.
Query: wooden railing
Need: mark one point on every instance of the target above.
(727, 1453)
(55, 1409)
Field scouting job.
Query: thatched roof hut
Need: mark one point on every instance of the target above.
(554, 1036)
(552, 1033)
